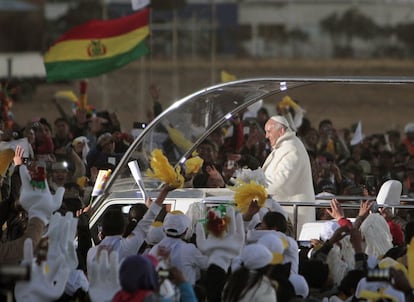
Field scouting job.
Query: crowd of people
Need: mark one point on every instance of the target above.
(226, 254)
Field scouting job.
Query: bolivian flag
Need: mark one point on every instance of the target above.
(97, 47)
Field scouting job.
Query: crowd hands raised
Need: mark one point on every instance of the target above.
(218, 254)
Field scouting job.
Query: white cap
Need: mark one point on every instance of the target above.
(281, 120)
(80, 139)
(275, 246)
(409, 128)
(155, 233)
(176, 223)
(255, 256)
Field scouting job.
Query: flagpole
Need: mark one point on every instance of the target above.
(140, 95)
(104, 78)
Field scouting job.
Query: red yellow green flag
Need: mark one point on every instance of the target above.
(97, 47)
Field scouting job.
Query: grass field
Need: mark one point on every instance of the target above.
(379, 107)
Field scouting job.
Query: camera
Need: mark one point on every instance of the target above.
(139, 125)
(137, 128)
(370, 184)
(379, 275)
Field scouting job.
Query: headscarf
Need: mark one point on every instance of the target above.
(137, 273)
(378, 238)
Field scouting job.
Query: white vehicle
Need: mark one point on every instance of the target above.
(194, 118)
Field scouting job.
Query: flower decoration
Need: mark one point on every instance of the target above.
(217, 222)
(247, 175)
(38, 178)
(164, 171)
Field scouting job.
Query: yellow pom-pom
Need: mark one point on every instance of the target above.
(193, 165)
(288, 102)
(82, 181)
(164, 171)
(246, 192)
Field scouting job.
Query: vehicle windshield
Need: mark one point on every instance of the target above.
(181, 127)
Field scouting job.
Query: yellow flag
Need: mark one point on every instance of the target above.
(227, 77)
(67, 94)
(179, 139)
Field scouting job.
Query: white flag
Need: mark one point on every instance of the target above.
(358, 135)
(138, 4)
(100, 183)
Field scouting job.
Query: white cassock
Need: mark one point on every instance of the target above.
(289, 176)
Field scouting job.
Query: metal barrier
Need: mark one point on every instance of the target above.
(345, 205)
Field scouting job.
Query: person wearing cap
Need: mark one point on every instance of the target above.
(103, 155)
(113, 227)
(288, 169)
(250, 281)
(59, 175)
(175, 251)
(275, 223)
(154, 236)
